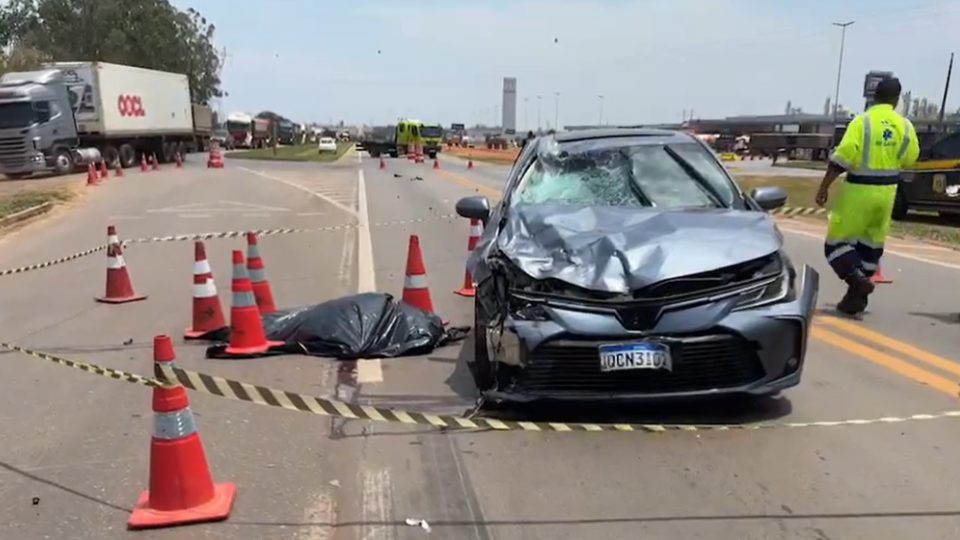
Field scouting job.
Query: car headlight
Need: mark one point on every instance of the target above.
(779, 289)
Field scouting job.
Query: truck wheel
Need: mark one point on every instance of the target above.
(374, 153)
(168, 150)
(899, 205)
(432, 155)
(111, 155)
(62, 161)
(394, 153)
(128, 156)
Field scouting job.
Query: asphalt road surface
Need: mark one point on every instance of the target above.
(75, 448)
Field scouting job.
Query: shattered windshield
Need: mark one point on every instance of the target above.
(624, 173)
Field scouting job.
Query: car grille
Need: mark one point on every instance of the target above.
(13, 152)
(700, 363)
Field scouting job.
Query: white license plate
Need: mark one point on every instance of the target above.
(640, 355)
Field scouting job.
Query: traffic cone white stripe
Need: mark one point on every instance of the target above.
(415, 282)
(171, 426)
(204, 290)
(476, 232)
(202, 267)
(113, 239)
(115, 262)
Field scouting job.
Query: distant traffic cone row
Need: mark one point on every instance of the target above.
(258, 277)
(207, 312)
(181, 488)
(246, 330)
(415, 289)
(476, 231)
(119, 289)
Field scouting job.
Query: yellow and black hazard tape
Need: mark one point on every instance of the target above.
(791, 211)
(214, 236)
(270, 397)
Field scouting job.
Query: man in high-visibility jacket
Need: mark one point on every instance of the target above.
(877, 145)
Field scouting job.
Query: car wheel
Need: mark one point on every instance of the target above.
(899, 205)
(481, 368)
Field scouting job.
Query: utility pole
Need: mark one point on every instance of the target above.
(556, 111)
(600, 97)
(946, 88)
(836, 95)
(539, 124)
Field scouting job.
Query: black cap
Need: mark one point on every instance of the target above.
(887, 89)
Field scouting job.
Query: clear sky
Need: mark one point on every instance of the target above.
(373, 61)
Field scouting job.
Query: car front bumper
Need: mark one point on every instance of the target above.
(717, 351)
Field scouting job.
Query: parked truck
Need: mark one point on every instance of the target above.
(67, 114)
(399, 139)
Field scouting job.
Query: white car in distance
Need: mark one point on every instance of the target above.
(326, 144)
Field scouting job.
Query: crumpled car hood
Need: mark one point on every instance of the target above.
(619, 250)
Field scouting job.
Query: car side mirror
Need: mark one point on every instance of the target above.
(769, 197)
(474, 208)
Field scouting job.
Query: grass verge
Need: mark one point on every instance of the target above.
(802, 192)
(17, 202)
(799, 164)
(300, 152)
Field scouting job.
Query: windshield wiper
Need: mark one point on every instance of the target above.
(634, 185)
(695, 174)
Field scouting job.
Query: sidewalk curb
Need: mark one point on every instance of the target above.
(25, 214)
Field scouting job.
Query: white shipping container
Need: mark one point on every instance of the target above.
(115, 100)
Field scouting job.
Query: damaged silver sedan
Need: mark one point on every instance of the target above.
(627, 264)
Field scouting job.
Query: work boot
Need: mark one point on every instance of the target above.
(859, 288)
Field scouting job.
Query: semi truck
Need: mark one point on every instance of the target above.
(68, 114)
(399, 139)
(247, 131)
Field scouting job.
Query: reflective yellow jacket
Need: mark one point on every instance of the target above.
(877, 145)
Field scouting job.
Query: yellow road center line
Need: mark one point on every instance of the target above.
(468, 183)
(896, 365)
(892, 344)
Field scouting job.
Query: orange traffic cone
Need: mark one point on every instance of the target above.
(207, 313)
(415, 289)
(179, 161)
(215, 159)
(476, 230)
(181, 489)
(156, 164)
(436, 164)
(470, 163)
(119, 170)
(143, 163)
(258, 277)
(92, 179)
(383, 164)
(104, 172)
(119, 289)
(878, 276)
(246, 330)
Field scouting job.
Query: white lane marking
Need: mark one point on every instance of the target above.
(123, 218)
(219, 206)
(256, 215)
(369, 371)
(366, 279)
(321, 514)
(308, 214)
(885, 251)
(376, 505)
(195, 216)
(346, 209)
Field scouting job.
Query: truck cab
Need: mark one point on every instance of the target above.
(38, 131)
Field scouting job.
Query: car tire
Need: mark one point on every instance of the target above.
(481, 368)
(900, 206)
